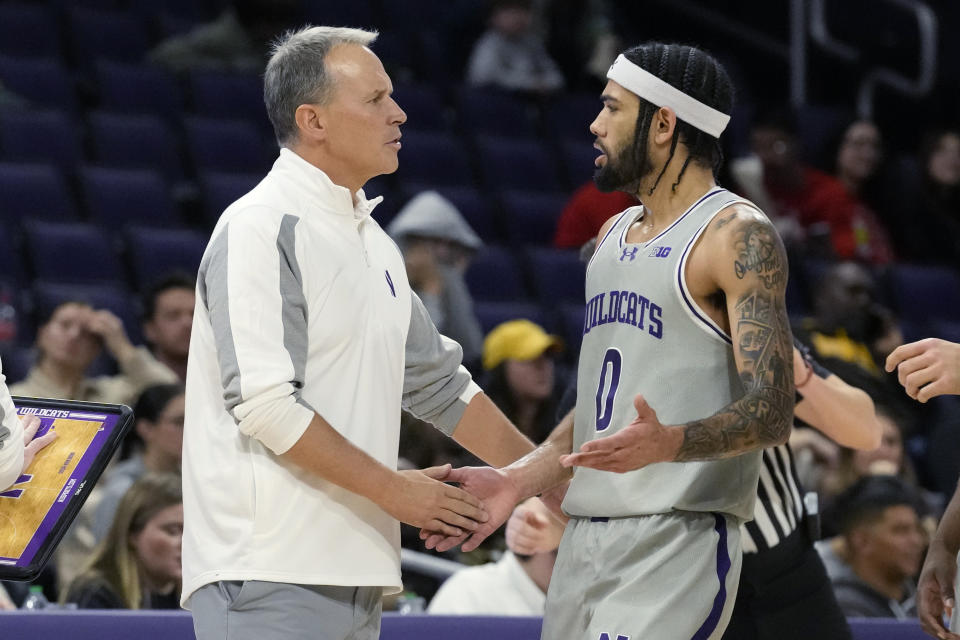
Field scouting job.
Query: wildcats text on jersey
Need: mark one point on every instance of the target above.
(624, 307)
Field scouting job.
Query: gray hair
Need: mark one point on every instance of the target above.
(297, 74)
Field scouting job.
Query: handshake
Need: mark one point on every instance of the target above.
(449, 515)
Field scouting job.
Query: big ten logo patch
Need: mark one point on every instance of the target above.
(607, 636)
(659, 252)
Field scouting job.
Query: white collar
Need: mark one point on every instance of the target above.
(318, 184)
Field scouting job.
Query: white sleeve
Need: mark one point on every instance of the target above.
(251, 286)
(11, 439)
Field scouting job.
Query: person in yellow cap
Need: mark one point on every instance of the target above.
(518, 356)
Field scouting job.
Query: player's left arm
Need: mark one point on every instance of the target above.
(751, 270)
(740, 255)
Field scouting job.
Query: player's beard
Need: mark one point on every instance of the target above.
(624, 169)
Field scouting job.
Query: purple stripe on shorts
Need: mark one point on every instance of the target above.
(723, 567)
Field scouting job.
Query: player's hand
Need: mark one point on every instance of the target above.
(642, 442)
(533, 529)
(935, 595)
(32, 445)
(499, 495)
(927, 368)
(423, 500)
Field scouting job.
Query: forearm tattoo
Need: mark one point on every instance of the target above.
(762, 338)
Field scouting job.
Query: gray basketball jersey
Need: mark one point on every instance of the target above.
(643, 333)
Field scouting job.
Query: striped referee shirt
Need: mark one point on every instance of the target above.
(779, 508)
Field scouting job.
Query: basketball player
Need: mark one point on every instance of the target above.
(784, 591)
(686, 350)
(926, 369)
(17, 443)
(306, 342)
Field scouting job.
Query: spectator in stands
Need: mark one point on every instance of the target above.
(515, 585)
(67, 344)
(849, 325)
(856, 163)
(807, 205)
(585, 212)
(137, 566)
(511, 55)
(159, 426)
(167, 320)
(884, 546)
(437, 245)
(518, 356)
(237, 40)
(933, 235)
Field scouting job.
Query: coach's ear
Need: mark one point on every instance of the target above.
(311, 122)
(663, 125)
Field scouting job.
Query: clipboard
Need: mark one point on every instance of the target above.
(38, 509)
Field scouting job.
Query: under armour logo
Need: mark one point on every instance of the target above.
(629, 252)
(390, 282)
(606, 636)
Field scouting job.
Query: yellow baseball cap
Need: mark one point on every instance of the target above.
(517, 340)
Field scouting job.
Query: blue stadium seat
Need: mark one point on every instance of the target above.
(115, 35)
(17, 361)
(490, 314)
(135, 88)
(572, 315)
(356, 13)
(216, 144)
(135, 141)
(44, 82)
(34, 191)
(156, 252)
(558, 276)
(219, 189)
(531, 216)
(508, 163)
(70, 252)
(28, 30)
(495, 275)
(11, 263)
(578, 161)
(568, 116)
(422, 104)
(491, 112)
(116, 198)
(433, 158)
(39, 136)
(924, 293)
(223, 94)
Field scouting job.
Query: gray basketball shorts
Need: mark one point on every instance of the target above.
(666, 576)
(256, 610)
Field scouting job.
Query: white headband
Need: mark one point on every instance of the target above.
(651, 88)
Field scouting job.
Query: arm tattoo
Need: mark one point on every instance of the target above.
(762, 417)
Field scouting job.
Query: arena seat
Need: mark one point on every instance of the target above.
(154, 252)
(558, 275)
(46, 135)
(137, 88)
(223, 94)
(35, 191)
(495, 275)
(490, 314)
(509, 163)
(531, 216)
(44, 82)
(70, 252)
(225, 145)
(118, 197)
(434, 158)
(496, 113)
(28, 30)
(139, 141)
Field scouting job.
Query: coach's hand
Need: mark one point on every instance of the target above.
(935, 590)
(422, 500)
(499, 495)
(644, 441)
(32, 445)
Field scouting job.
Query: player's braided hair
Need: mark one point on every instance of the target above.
(698, 75)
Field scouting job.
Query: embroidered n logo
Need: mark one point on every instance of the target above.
(390, 282)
